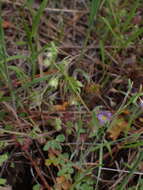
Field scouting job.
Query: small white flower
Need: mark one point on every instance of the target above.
(54, 82)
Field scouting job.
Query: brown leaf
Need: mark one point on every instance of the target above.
(61, 107)
(120, 125)
(62, 183)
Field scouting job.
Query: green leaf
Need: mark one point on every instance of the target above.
(3, 158)
(52, 144)
(65, 170)
(51, 55)
(58, 124)
(36, 187)
(60, 138)
(2, 181)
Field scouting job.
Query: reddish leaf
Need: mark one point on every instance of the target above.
(6, 24)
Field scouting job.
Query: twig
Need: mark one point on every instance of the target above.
(37, 169)
(11, 109)
(123, 171)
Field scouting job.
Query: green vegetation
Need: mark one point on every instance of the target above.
(71, 96)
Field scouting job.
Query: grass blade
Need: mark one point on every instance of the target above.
(126, 180)
(93, 13)
(3, 57)
(36, 19)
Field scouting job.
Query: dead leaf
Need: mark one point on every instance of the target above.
(141, 119)
(120, 125)
(62, 183)
(93, 88)
(125, 112)
(61, 107)
(140, 167)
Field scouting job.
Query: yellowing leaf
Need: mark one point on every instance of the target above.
(93, 88)
(52, 160)
(120, 125)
